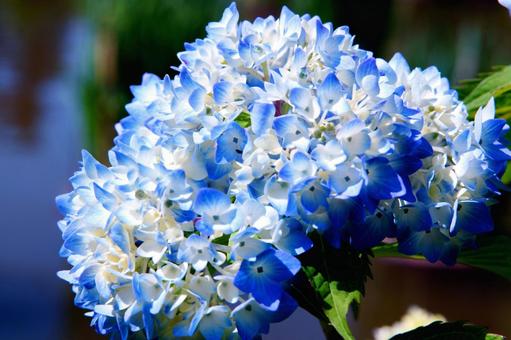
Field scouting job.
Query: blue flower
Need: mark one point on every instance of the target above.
(197, 251)
(215, 208)
(299, 168)
(231, 143)
(290, 237)
(382, 181)
(471, 216)
(265, 276)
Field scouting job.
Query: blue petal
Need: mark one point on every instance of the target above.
(291, 263)
(314, 196)
(289, 124)
(222, 92)
(399, 64)
(231, 143)
(261, 117)
(409, 242)
(89, 164)
(413, 216)
(375, 228)
(215, 322)
(217, 170)
(287, 306)
(406, 165)
(330, 90)
(497, 152)
(263, 278)
(64, 203)
(250, 319)
(120, 237)
(262, 288)
(104, 197)
(187, 327)
(88, 277)
(76, 243)
(367, 75)
(148, 321)
(298, 97)
(383, 181)
(196, 99)
(296, 243)
(211, 202)
(277, 193)
(432, 244)
(492, 130)
(471, 216)
(186, 80)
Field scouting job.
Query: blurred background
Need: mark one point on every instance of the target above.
(65, 68)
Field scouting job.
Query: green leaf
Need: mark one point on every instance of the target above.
(493, 254)
(491, 336)
(497, 84)
(243, 119)
(334, 282)
(445, 330)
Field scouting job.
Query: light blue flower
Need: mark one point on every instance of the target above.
(231, 143)
(197, 251)
(299, 168)
(215, 208)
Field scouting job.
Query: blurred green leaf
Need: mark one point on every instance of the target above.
(446, 330)
(490, 336)
(493, 254)
(476, 92)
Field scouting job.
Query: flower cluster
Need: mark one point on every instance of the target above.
(270, 130)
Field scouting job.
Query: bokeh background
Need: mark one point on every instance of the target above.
(65, 68)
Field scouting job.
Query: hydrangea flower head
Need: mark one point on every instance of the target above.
(270, 130)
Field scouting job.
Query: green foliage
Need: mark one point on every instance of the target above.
(331, 281)
(476, 92)
(493, 254)
(491, 336)
(243, 119)
(445, 330)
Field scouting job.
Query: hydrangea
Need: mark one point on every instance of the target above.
(270, 130)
